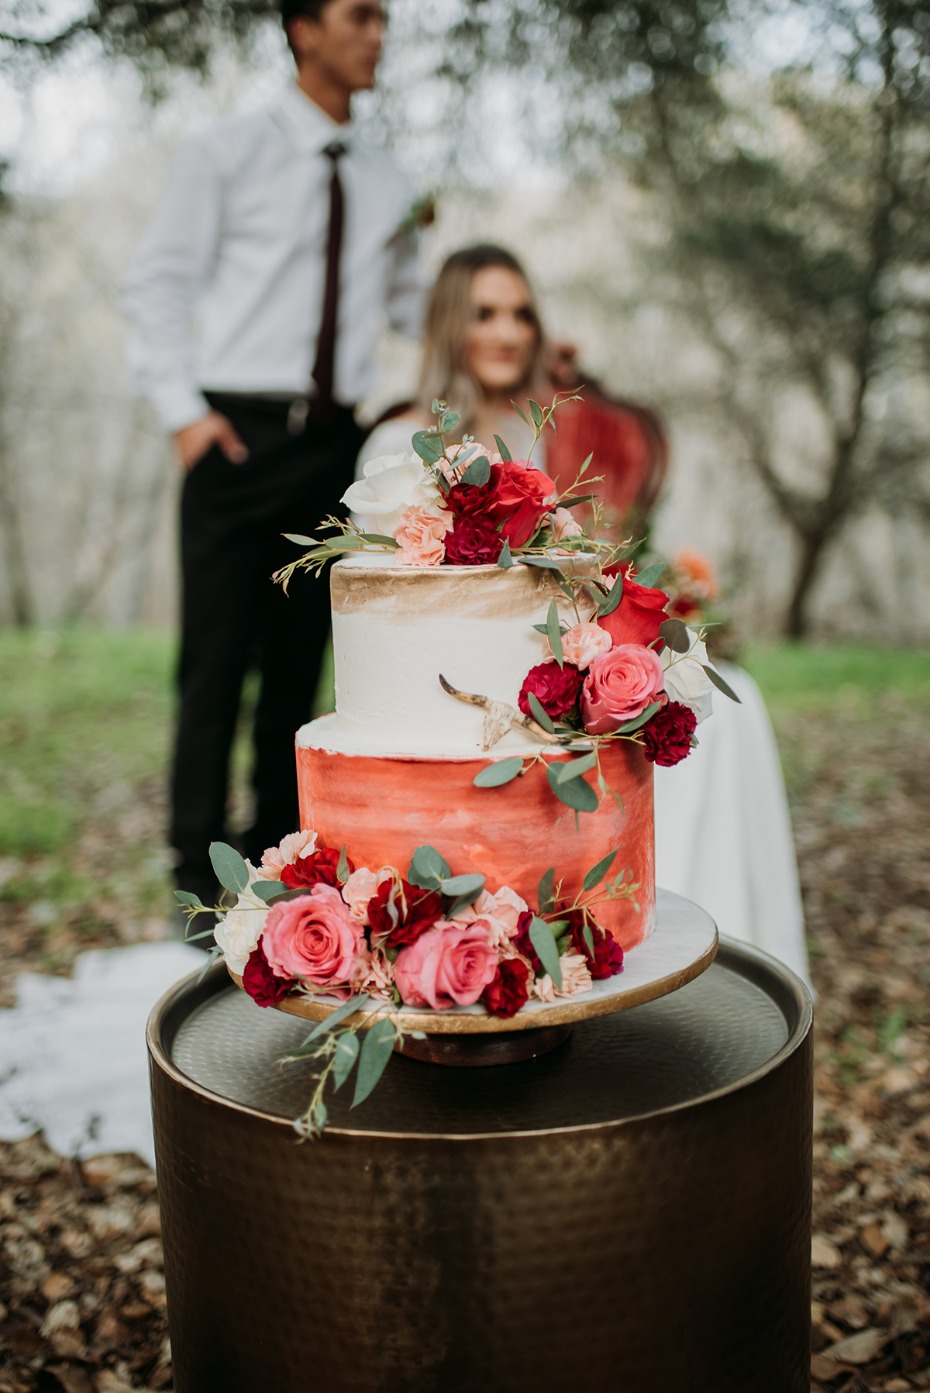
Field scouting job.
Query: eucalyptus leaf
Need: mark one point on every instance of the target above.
(676, 634)
(545, 563)
(448, 421)
(346, 1054)
(342, 867)
(267, 889)
(501, 771)
(574, 793)
(536, 412)
(596, 873)
(546, 950)
(341, 1013)
(231, 870)
(502, 450)
(520, 412)
(554, 633)
(546, 889)
(372, 1062)
(427, 868)
(575, 768)
(721, 683)
(301, 540)
(467, 886)
(320, 1114)
(586, 465)
(651, 574)
(428, 445)
(640, 720)
(613, 597)
(540, 714)
(376, 539)
(589, 939)
(575, 500)
(189, 898)
(505, 560)
(478, 472)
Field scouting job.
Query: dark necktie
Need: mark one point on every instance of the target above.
(326, 343)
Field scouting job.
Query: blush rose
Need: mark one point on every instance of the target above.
(619, 686)
(447, 966)
(313, 937)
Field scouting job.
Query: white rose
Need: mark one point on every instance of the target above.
(687, 682)
(238, 932)
(389, 486)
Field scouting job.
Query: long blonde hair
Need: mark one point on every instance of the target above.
(448, 313)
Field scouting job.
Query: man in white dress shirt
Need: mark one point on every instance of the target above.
(255, 301)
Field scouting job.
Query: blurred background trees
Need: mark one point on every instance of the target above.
(727, 203)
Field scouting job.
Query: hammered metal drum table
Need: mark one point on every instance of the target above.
(628, 1212)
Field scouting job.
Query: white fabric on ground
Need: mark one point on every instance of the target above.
(723, 832)
(73, 1060)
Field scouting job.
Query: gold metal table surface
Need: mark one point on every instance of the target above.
(630, 1211)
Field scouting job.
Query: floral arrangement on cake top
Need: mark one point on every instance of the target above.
(626, 668)
(306, 922)
(457, 503)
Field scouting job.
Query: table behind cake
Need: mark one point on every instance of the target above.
(631, 1211)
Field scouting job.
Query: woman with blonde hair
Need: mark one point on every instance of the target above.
(484, 350)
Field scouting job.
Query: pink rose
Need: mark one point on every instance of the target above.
(620, 685)
(314, 937)
(446, 966)
(564, 524)
(420, 536)
(582, 643)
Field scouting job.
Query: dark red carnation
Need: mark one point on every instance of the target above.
(400, 913)
(260, 982)
(522, 941)
(465, 500)
(639, 615)
(473, 541)
(667, 737)
(509, 989)
(607, 958)
(319, 868)
(520, 497)
(555, 688)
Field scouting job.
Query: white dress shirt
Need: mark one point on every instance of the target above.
(226, 290)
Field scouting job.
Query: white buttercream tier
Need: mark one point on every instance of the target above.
(396, 628)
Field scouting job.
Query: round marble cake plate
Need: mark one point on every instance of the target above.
(682, 946)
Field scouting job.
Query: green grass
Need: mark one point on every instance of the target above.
(798, 677)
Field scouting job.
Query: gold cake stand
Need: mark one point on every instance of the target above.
(683, 946)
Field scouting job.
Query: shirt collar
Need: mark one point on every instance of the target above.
(307, 124)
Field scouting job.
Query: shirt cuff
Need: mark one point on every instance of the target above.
(178, 405)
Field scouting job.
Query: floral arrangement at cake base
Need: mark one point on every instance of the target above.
(307, 923)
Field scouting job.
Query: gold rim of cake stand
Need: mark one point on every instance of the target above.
(548, 1014)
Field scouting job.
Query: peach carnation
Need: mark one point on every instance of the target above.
(575, 978)
(582, 643)
(361, 887)
(420, 536)
(287, 853)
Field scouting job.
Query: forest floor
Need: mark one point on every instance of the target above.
(82, 1290)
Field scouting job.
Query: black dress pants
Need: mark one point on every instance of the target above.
(234, 617)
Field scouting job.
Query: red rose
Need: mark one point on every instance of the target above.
(261, 983)
(522, 941)
(467, 499)
(509, 990)
(607, 958)
(639, 615)
(400, 913)
(473, 541)
(667, 737)
(555, 688)
(520, 497)
(319, 868)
